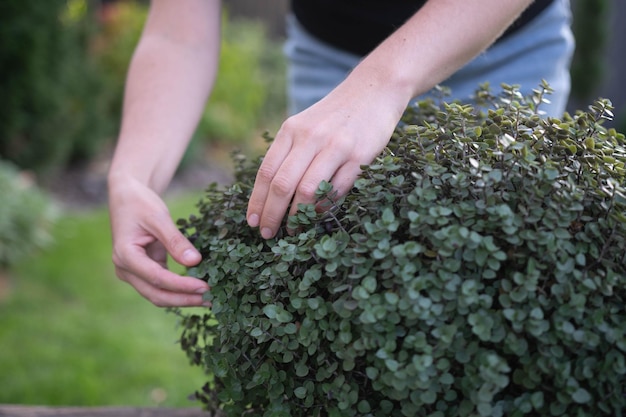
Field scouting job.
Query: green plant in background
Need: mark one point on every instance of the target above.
(477, 268)
(621, 121)
(62, 81)
(26, 216)
(114, 46)
(591, 31)
(53, 103)
(249, 88)
(249, 91)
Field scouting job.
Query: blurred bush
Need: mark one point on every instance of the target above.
(621, 121)
(26, 216)
(62, 73)
(122, 23)
(591, 32)
(53, 107)
(249, 89)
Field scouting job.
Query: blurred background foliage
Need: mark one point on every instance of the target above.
(592, 33)
(53, 107)
(70, 332)
(599, 65)
(26, 216)
(63, 66)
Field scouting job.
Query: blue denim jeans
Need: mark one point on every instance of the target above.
(541, 50)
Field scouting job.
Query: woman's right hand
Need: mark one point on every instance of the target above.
(143, 235)
(169, 79)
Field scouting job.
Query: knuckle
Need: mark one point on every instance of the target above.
(120, 267)
(307, 190)
(157, 217)
(281, 186)
(291, 125)
(120, 274)
(265, 173)
(271, 221)
(117, 255)
(346, 147)
(157, 281)
(117, 260)
(176, 242)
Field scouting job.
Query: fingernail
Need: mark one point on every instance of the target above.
(267, 233)
(202, 290)
(253, 220)
(189, 255)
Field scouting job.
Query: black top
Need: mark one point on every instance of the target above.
(358, 26)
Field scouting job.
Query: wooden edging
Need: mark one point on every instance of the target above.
(43, 411)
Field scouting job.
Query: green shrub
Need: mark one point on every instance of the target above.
(26, 216)
(477, 268)
(53, 103)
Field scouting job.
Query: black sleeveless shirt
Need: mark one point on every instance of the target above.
(358, 26)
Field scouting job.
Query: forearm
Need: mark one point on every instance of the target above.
(168, 82)
(438, 40)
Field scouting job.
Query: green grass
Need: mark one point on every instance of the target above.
(71, 333)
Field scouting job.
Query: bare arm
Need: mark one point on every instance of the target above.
(169, 79)
(439, 39)
(350, 126)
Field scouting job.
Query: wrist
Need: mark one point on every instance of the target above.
(120, 181)
(388, 87)
(130, 165)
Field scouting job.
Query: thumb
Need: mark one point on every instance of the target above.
(178, 246)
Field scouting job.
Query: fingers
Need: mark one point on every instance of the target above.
(143, 235)
(328, 141)
(344, 178)
(175, 243)
(268, 182)
(289, 175)
(323, 168)
(145, 269)
(295, 181)
(162, 297)
(275, 189)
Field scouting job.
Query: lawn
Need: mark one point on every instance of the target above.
(71, 333)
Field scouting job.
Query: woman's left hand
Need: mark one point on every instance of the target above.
(329, 141)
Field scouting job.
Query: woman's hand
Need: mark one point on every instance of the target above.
(143, 234)
(169, 79)
(353, 123)
(328, 141)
